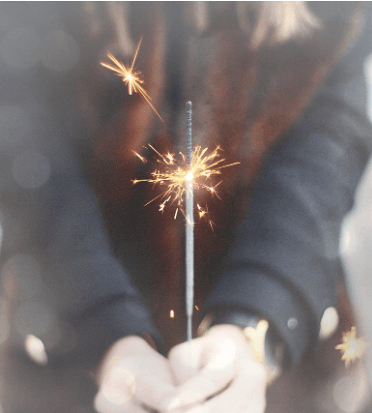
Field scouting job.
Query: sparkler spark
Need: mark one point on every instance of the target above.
(174, 173)
(203, 212)
(351, 347)
(131, 78)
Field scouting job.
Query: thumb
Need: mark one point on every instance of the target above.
(186, 359)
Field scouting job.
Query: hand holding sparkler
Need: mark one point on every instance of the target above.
(133, 377)
(217, 373)
(180, 180)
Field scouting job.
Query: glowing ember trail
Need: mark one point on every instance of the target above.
(131, 78)
(174, 173)
(351, 348)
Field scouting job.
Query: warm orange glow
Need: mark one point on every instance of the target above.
(196, 307)
(171, 314)
(174, 173)
(351, 347)
(131, 78)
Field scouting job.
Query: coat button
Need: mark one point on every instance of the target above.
(292, 323)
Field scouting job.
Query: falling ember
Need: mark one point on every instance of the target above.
(174, 173)
(196, 307)
(140, 157)
(171, 314)
(203, 212)
(131, 78)
(351, 347)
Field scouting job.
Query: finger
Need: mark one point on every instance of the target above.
(153, 381)
(152, 392)
(246, 392)
(104, 404)
(185, 360)
(126, 383)
(116, 390)
(219, 369)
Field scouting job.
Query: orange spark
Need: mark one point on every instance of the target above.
(174, 172)
(130, 77)
(171, 314)
(351, 347)
(204, 211)
(139, 156)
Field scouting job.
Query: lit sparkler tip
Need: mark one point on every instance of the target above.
(352, 348)
(175, 173)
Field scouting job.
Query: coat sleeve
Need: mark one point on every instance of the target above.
(60, 279)
(285, 261)
(59, 273)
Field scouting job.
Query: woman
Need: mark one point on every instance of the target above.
(279, 86)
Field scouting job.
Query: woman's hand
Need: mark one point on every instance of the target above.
(217, 373)
(133, 378)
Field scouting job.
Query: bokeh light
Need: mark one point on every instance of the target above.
(35, 349)
(350, 392)
(30, 169)
(328, 323)
(60, 51)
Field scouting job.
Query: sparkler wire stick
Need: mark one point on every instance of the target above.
(189, 225)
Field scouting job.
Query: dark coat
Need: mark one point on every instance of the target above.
(84, 262)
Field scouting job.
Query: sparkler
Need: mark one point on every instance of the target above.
(189, 224)
(130, 77)
(352, 347)
(180, 177)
